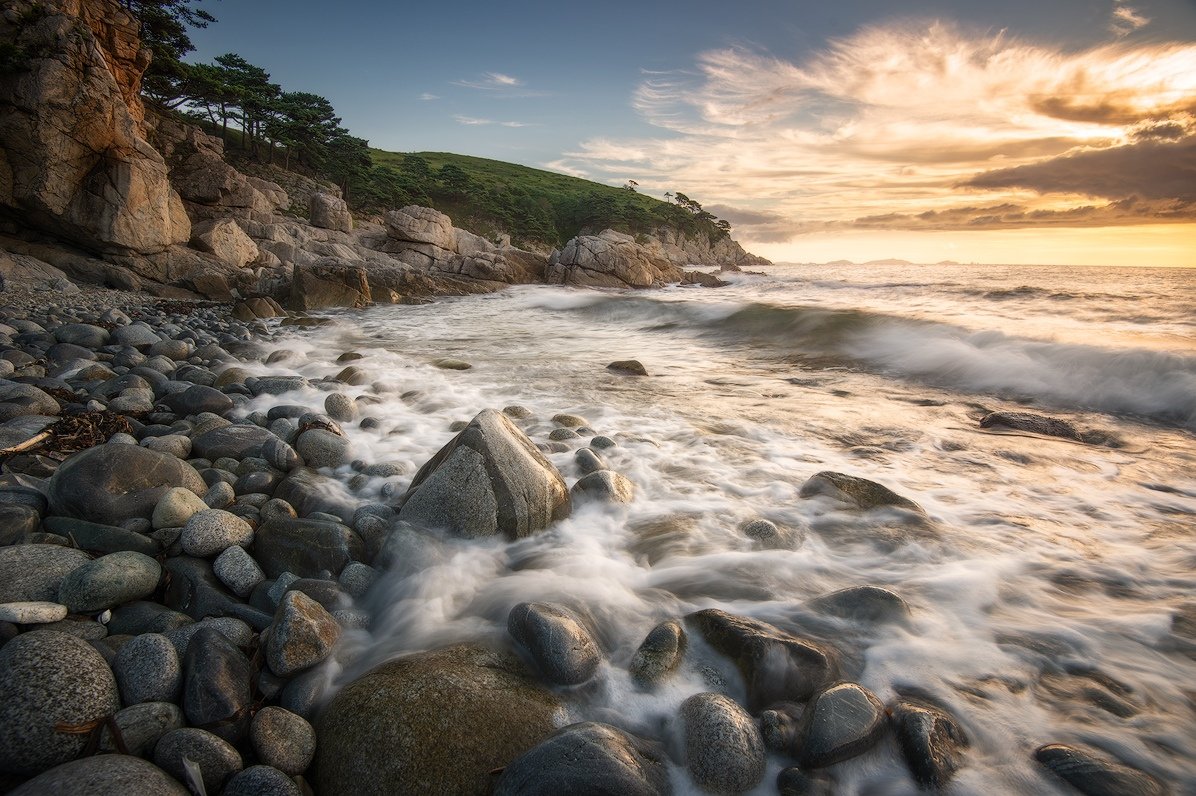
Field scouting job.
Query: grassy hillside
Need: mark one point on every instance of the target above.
(532, 205)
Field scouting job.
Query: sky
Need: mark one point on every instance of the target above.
(1024, 131)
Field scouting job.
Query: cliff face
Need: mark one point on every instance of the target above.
(74, 161)
(682, 250)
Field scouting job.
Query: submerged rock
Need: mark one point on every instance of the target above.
(863, 604)
(838, 724)
(604, 485)
(1093, 775)
(932, 743)
(723, 749)
(628, 367)
(1035, 424)
(437, 721)
(859, 492)
(489, 479)
(659, 655)
(777, 666)
(588, 758)
(561, 646)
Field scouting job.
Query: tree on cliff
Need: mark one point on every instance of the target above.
(164, 25)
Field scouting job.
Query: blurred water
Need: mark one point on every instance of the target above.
(1047, 579)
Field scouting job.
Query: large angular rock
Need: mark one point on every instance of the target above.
(303, 634)
(490, 479)
(109, 484)
(217, 680)
(226, 240)
(329, 282)
(72, 144)
(49, 678)
(610, 259)
(776, 666)
(415, 224)
(330, 212)
(438, 721)
(589, 758)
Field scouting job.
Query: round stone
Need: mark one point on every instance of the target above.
(216, 758)
(147, 669)
(237, 570)
(32, 613)
(283, 739)
(588, 461)
(109, 581)
(321, 448)
(261, 781)
(340, 407)
(447, 363)
(33, 572)
(561, 646)
(840, 723)
(175, 507)
(49, 679)
(220, 495)
(141, 726)
(104, 775)
(113, 483)
(723, 748)
(212, 531)
(604, 485)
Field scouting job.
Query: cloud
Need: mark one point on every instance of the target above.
(427, 97)
(472, 121)
(909, 118)
(499, 85)
(1126, 19)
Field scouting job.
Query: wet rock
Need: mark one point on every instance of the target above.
(606, 486)
(357, 578)
(147, 669)
(588, 758)
(769, 535)
(195, 590)
(781, 726)
(261, 781)
(109, 581)
(33, 572)
(628, 367)
(659, 655)
(305, 547)
(237, 570)
(932, 743)
(796, 782)
(588, 461)
(198, 398)
(105, 774)
(403, 723)
(141, 726)
(776, 666)
(217, 681)
(489, 479)
(859, 492)
(1094, 775)
(562, 434)
(283, 740)
(49, 678)
(236, 441)
(212, 531)
(303, 634)
(340, 407)
(309, 492)
(562, 648)
(217, 760)
(448, 363)
(1035, 424)
(723, 749)
(112, 483)
(175, 445)
(863, 604)
(321, 448)
(840, 723)
(32, 613)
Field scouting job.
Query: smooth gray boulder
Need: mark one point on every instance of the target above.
(141, 726)
(659, 655)
(490, 479)
(261, 781)
(723, 748)
(564, 650)
(305, 547)
(104, 775)
(48, 678)
(217, 760)
(109, 484)
(588, 758)
(109, 581)
(147, 669)
(18, 400)
(34, 572)
(838, 724)
(438, 721)
(283, 739)
(237, 441)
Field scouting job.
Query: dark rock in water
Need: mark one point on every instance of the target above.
(860, 492)
(1035, 424)
(838, 724)
(305, 547)
(863, 604)
(261, 781)
(104, 775)
(659, 655)
(588, 758)
(561, 646)
(931, 742)
(197, 399)
(49, 678)
(588, 461)
(606, 486)
(1097, 776)
(769, 535)
(217, 685)
(781, 726)
(217, 760)
(237, 441)
(434, 722)
(489, 479)
(34, 572)
(776, 666)
(109, 484)
(723, 749)
(303, 634)
(796, 782)
(309, 492)
(628, 367)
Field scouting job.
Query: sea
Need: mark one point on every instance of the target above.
(1051, 593)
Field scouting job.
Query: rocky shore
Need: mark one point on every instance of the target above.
(178, 569)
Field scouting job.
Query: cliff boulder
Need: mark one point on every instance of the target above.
(611, 259)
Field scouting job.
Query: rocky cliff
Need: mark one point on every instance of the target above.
(94, 187)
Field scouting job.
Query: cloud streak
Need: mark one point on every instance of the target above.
(499, 86)
(915, 118)
(472, 121)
